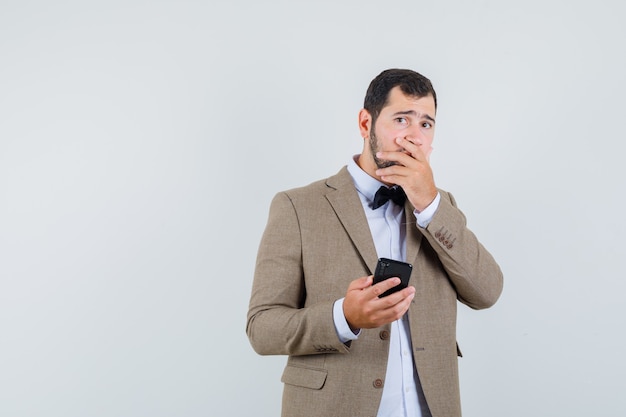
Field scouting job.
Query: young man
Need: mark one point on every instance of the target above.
(351, 352)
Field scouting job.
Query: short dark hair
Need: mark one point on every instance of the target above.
(410, 82)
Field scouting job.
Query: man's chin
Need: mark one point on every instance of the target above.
(385, 164)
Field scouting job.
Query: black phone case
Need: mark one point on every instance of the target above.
(387, 268)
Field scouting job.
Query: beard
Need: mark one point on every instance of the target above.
(374, 148)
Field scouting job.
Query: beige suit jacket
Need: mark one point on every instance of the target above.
(316, 242)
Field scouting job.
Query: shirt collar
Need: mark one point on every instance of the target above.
(364, 183)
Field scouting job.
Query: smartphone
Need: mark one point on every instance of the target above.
(388, 268)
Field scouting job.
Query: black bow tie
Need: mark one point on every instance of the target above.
(385, 194)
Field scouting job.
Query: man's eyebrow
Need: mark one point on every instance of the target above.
(413, 113)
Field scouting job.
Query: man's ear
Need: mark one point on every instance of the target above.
(365, 123)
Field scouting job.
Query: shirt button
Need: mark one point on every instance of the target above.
(378, 383)
(384, 335)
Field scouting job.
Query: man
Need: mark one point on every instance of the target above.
(351, 352)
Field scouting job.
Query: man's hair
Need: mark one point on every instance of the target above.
(410, 82)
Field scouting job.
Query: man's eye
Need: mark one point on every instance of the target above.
(427, 125)
(401, 120)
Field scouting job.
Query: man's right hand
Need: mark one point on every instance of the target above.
(364, 310)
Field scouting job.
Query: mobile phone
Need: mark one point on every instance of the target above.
(388, 268)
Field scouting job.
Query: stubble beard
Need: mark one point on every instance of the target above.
(374, 148)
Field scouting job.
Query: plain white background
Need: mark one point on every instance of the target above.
(142, 141)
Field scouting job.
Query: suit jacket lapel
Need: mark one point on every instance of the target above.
(344, 199)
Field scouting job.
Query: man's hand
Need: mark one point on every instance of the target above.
(412, 173)
(364, 310)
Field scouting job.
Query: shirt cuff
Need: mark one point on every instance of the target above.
(342, 327)
(425, 216)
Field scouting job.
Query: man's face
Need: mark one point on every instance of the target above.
(403, 117)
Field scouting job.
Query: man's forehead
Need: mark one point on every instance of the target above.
(396, 93)
(401, 103)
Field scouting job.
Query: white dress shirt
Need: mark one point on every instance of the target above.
(402, 393)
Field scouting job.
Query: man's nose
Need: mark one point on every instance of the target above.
(416, 136)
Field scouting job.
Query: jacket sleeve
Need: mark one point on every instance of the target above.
(280, 321)
(472, 270)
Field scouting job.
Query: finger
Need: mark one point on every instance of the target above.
(394, 170)
(396, 174)
(385, 285)
(406, 295)
(404, 159)
(398, 297)
(389, 310)
(415, 149)
(398, 303)
(402, 307)
(403, 163)
(399, 157)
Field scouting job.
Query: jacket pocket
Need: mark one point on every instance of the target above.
(304, 377)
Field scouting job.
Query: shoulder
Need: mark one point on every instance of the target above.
(320, 187)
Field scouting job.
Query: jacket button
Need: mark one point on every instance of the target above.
(378, 383)
(437, 234)
(384, 335)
